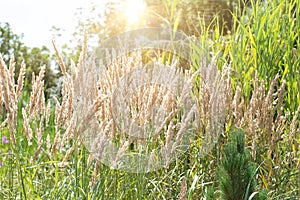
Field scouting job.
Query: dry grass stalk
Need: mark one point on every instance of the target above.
(64, 116)
(183, 127)
(64, 113)
(183, 191)
(26, 127)
(1, 96)
(294, 134)
(48, 144)
(265, 123)
(95, 174)
(74, 70)
(90, 159)
(238, 104)
(47, 113)
(36, 110)
(261, 116)
(21, 80)
(57, 111)
(37, 152)
(120, 154)
(12, 67)
(68, 135)
(40, 132)
(37, 99)
(214, 102)
(55, 144)
(67, 157)
(82, 57)
(3, 124)
(145, 98)
(97, 147)
(10, 95)
(266, 126)
(262, 113)
(152, 160)
(294, 124)
(6, 81)
(60, 61)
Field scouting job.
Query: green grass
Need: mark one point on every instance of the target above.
(265, 39)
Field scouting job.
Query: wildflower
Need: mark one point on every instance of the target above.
(5, 140)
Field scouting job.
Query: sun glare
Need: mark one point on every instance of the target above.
(134, 10)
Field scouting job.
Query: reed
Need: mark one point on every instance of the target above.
(246, 80)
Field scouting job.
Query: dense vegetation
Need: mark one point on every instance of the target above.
(258, 66)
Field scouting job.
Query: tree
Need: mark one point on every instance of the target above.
(183, 15)
(236, 173)
(34, 58)
(10, 44)
(187, 15)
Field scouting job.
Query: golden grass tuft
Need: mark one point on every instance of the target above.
(87, 104)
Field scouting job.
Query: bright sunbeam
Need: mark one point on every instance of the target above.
(134, 9)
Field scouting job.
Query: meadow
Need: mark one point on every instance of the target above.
(249, 81)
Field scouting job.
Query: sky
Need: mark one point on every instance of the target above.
(34, 18)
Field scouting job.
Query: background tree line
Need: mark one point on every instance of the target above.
(184, 15)
(11, 45)
(159, 13)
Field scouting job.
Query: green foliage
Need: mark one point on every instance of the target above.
(182, 15)
(37, 57)
(11, 44)
(236, 173)
(34, 58)
(177, 14)
(265, 38)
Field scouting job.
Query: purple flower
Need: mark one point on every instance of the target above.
(4, 140)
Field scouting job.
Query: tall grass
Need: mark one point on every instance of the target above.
(257, 71)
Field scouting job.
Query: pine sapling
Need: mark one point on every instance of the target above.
(236, 173)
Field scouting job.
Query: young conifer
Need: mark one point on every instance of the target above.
(236, 173)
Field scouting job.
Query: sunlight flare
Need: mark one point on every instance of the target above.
(134, 10)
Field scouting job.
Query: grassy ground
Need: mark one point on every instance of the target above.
(42, 155)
